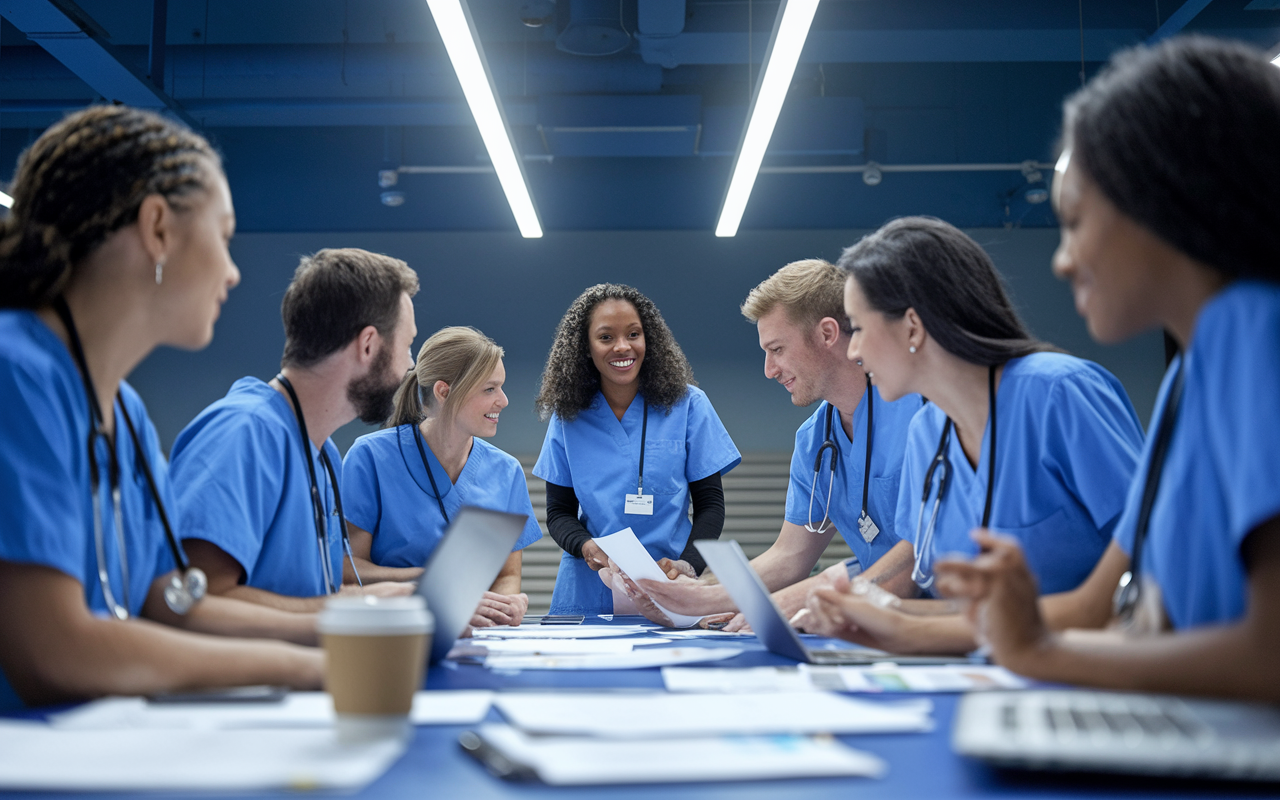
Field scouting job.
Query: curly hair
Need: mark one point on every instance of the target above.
(81, 181)
(570, 380)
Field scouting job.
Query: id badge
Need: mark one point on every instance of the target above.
(641, 504)
(867, 527)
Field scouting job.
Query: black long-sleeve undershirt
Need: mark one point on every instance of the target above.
(706, 496)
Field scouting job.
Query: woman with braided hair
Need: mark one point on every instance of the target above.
(631, 442)
(116, 243)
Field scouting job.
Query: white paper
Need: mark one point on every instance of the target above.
(636, 659)
(45, 757)
(884, 677)
(559, 631)
(297, 710)
(631, 557)
(575, 761)
(645, 716)
(560, 646)
(703, 633)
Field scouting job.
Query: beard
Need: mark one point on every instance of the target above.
(373, 394)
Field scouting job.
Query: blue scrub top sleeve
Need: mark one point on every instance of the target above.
(553, 462)
(45, 492)
(160, 471)
(228, 479)
(1092, 439)
(518, 502)
(801, 478)
(709, 448)
(361, 492)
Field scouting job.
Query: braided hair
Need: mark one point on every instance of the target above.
(84, 179)
(570, 380)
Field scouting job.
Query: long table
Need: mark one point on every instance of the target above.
(921, 765)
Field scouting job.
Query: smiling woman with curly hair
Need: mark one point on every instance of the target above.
(613, 362)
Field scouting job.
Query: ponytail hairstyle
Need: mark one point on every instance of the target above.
(1181, 138)
(84, 179)
(462, 357)
(570, 380)
(933, 267)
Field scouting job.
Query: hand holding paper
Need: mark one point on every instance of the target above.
(625, 551)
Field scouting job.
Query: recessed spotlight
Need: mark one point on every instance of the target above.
(872, 175)
(393, 199)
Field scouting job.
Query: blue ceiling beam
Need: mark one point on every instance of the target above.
(71, 36)
(1178, 20)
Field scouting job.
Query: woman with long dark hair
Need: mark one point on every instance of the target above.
(1017, 436)
(404, 483)
(116, 243)
(631, 442)
(1166, 190)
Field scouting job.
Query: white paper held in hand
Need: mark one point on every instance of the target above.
(631, 557)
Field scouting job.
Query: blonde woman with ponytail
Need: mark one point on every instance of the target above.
(403, 484)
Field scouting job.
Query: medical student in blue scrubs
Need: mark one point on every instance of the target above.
(1166, 190)
(403, 484)
(631, 443)
(116, 243)
(1034, 443)
(799, 316)
(257, 478)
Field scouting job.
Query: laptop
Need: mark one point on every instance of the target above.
(730, 565)
(1099, 731)
(465, 563)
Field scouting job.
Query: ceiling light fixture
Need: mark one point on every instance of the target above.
(6, 200)
(790, 30)
(458, 31)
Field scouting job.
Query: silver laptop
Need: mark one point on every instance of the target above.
(730, 565)
(465, 564)
(1112, 732)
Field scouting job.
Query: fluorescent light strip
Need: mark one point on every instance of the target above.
(463, 47)
(1276, 61)
(788, 41)
(6, 200)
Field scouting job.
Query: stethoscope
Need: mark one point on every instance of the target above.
(186, 588)
(1129, 591)
(829, 445)
(435, 489)
(922, 572)
(317, 506)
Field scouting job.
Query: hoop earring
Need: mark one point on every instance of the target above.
(159, 272)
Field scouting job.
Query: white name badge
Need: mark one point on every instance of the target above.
(867, 527)
(641, 504)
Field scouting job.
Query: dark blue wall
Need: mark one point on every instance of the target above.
(515, 290)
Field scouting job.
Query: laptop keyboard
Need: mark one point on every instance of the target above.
(1081, 715)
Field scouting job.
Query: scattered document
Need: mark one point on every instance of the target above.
(636, 659)
(469, 649)
(883, 677)
(578, 761)
(631, 557)
(703, 633)
(657, 715)
(50, 758)
(297, 710)
(560, 631)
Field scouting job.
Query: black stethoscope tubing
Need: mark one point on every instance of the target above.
(417, 439)
(193, 581)
(317, 506)
(829, 444)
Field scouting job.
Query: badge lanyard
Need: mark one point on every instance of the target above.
(187, 587)
(640, 503)
(866, 526)
(922, 572)
(317, 507)
(417, 439)
(1129, 590)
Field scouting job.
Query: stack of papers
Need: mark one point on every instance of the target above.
(576, 761)
(559, 631)
(48, 757)
(882, 677)
(634, 659)
(662, 715)
(297, 710)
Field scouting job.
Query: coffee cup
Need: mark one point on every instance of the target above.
(376, 649)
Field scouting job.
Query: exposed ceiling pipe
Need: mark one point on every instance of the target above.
(822, 169)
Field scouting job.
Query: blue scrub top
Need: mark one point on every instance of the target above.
(386, 491)
(1220, 478)
(1066, 449)
(242, 484)
(44, 474)
(888, 442)
(599, 456)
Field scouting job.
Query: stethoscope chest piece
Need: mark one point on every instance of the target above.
(185, 589)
